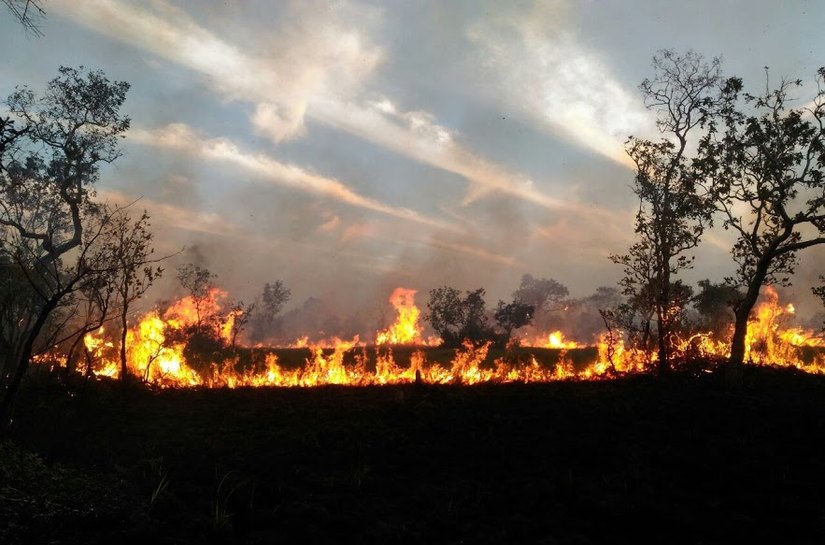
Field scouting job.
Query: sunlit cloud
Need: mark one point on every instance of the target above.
(310, 54)
(479, 253)
(538, 66)
(171, 216)
(182, 138)
(417, 135)
(316, 71)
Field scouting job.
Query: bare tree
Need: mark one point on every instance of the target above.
(134, 270)
(687, 93)
(765, 170)
(198, 282)
(28, 12)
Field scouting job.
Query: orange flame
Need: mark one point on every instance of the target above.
(554, 339)
(405, 330)
(154, 354)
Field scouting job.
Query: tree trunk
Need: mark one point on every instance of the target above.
(735, 366)
(123, 368)
(740, 329)
(662, 325)
(23, 362)
(663, 365)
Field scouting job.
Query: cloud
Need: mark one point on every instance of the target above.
(181, 137)
(310, 54)
(316, 67)
(171, 216)
(416, 134)
(539, 67)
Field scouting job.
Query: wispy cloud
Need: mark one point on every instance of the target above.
(311, 54)
(171, 216)
(538, 66)
(318, 69)
(182, 138)
(416, 134)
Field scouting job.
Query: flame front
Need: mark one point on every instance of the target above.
(157, 352)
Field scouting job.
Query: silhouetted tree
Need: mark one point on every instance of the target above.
(511, 316)
(198, 282)
(455, 318)
(540, 293)
(50, 228)
(475, 326)
(715, 303)
(764, 170)
(130, 254)
(445, 312)
(686, 92)
(272, 300)
(819, 291)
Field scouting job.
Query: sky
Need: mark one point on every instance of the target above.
(350, 147)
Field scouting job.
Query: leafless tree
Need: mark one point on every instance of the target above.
(29, 12)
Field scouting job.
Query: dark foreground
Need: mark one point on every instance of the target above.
(681, 460)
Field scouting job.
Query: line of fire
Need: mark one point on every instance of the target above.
(157, 351)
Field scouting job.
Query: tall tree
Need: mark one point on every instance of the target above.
(687, 93)
(50, 227)
(764, 170)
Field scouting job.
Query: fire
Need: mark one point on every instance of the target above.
(406, 329)
(554, 339)
(94, 342)
(768, 342)
(160, 352)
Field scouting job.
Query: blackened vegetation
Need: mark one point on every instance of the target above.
(679, 459)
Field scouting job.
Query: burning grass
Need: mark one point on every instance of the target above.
(162, 350)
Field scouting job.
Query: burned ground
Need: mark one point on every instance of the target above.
(679, 460)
